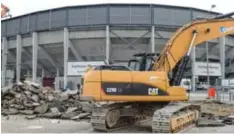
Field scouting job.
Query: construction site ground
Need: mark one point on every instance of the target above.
(18, 124)
(211, 110)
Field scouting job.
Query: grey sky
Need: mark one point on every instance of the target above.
(19, 7)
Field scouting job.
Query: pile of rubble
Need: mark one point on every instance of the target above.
(31, 99)
(215, 113)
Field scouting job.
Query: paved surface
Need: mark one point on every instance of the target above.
(17, 124)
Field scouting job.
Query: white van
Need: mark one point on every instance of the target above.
(186, 83)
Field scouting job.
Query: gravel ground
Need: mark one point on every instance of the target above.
(18, 124)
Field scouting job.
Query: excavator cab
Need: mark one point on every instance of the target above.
(142, 61)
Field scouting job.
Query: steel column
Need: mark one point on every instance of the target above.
(57, 72)
(74, 51)
(153, 39)
(193, 68)
(28, 74)
(207, 62)
(42, 73)
(4, 60)
(222, 43)
(48, 56)
(107, 44)
(18, 57)
(34, 55)
(65, 54)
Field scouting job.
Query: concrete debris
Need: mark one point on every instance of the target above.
(42, 108)
(10, 111)
(50, 97)
(54, 110)
(27, 112)
(54, 121)
(69, 115)
(35, 98)
(31, 117)
(87, 106)
(71, 109)
(81, 116)
(29, 98)
(229, 120)
(209, 123)
(50, 115)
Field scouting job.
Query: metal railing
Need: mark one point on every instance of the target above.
(225, 91)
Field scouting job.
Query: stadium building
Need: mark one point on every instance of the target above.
(43, 45)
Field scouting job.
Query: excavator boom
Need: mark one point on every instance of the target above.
(196, 33)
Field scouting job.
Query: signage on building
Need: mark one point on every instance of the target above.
(78, 68)
(201, 69)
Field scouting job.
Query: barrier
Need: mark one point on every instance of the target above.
(225, 91)
(211, 92)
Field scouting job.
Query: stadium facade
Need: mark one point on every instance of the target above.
(40, 44)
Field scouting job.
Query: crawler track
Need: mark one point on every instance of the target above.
(174, 117)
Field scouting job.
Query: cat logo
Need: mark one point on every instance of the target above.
(153, 91)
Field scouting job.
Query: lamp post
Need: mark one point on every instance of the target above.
(212, 7)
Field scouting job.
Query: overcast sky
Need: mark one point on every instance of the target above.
(19, 7)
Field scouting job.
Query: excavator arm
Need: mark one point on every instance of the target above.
(188, 36)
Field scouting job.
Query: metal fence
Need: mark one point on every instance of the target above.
(225, 91)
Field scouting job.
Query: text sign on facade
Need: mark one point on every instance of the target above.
(201, 69)
(78, 68)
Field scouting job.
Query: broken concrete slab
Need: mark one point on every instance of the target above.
(229, 120)
(54, 121)
(10, 111)
(50, 97)
(36, 104)
(69, 115)
(17, 95)
(86, 106)
(71, 109)
(42, 109)
(27, 112)
(31, 117)
(19, 107)
(35, 98)
(54, 110)
(50, 115)
(81, 116)
(209, 123)
(32, 84)
(63, 96)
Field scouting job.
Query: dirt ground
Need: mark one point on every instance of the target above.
(18, 124)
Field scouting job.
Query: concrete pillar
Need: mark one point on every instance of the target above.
(65, 54)
(4, 60)
(18, 57)
(222, 56)
(42, 73)
(107, 44)
(34, 57)
(57, 72)
(28, 74)
(153, 39)
(207, 61)
(193, 68)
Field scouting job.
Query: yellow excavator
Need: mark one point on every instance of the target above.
(125, 96)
